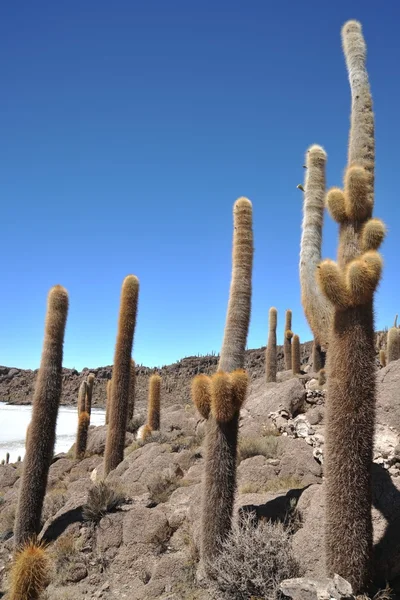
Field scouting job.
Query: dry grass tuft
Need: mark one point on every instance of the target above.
(258, 446)
(102, 499)
(161, 486)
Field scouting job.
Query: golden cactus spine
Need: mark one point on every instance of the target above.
(271, 361)
(239, 305)
(132, 384)
(153, 418)
(296, 361)
(89, 394)
(219, 399)
(29, 573)
(349, 285)
(82, 434)
(42, 428)
(115, 440)
(287, 341)
(317, 309)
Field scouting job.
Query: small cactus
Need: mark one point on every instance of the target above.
(82, 435)
(287, 342)
(30, 572)
(89, 393)
(271, 362)
(393, 343)
(321, 378)
(318, 357)
(382, 357)
(296, 362)
(153, 418)
(7, 458)
(82, 397)
(19, 459)
(3, 462)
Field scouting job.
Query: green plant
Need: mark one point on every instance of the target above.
(115, 441)
(42, 428)
(153, 417)
(271, 362)
(30, 572)
(349, 285)
(287, 340)
(296, 363)
(102, 499)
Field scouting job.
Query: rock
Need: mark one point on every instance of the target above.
(388, 385)
(145, 526)
(97, 440)
(299, 588)
(340, 588)
(75, 573)
(8, 476)
(302, 588)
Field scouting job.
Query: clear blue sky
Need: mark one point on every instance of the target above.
(128, 129)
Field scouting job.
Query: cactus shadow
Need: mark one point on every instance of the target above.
(277, 510)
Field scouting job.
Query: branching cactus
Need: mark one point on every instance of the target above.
(349, 285)
(132, 383)
(317, 309)
(42, 429)
(153, 418)
(118, 411)
(219, 399)
(82, 397)
(296, 361)
(82, 434)
(271, 362)
(393, 343)
(287, 342)
(89, 393)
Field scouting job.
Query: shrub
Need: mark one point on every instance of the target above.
(255, 446)
(64, 550)
(102, 499)
(253, 562)
(161, 486)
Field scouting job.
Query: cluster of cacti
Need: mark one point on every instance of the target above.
(349, 286)
(220, 397)
(118, 410)
(42, 428)
(271, 363)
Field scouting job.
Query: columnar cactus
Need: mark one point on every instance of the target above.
(382, 357)
(115, 440)
(82, 434)
(271, 362)
(239, 305)
(42, 428)
(82, 397)
(132, 383)
(219, 399)
(108, 400)
(7, 458)
(287, 341)
(89, 393)
(296, 361)
(153, 417)
(318, 357)
(316, 307)
(393, 343)
(29, 573)
(349, 285)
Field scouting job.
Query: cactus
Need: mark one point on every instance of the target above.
(89, 394)
(153, 418)
(115, 440)
(321, 378)
(296, 362)
(393, 343)
(382, 357)
(42, 429)
(108, 400)
(318, 357)
(287, 342)
(7, 458)
(19, 459)
(317, 309)
(271, 361)
(239, 305)
(82, 434)
(349, 285)
(3, 462)
(132, 382)
(30, 572)
(219, 398)
(82, 397)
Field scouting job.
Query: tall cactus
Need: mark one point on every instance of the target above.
(349, 285)
(271, 361)
(115, 440)
(42, 428)
(296, 361)
(316, 307)
(132, 384)
(82, 397)
(89, 394)
(153, 418)
(108, 400)
(393, 343)
(287, 341)
(219, 399)
(82, 434)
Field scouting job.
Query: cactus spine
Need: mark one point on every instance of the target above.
(153, 418)
(89, 394)
(132, 383)
(82, 434)
(42, 429)
(219, 399)
(115, 441)
(296, 362)
(350, 285)
(271, 361)
(29, 573)
(287, 342)
(316, 307)
(239, 305)
(82, 397)
(393, 343)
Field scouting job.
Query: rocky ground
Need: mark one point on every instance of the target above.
(144, 544)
